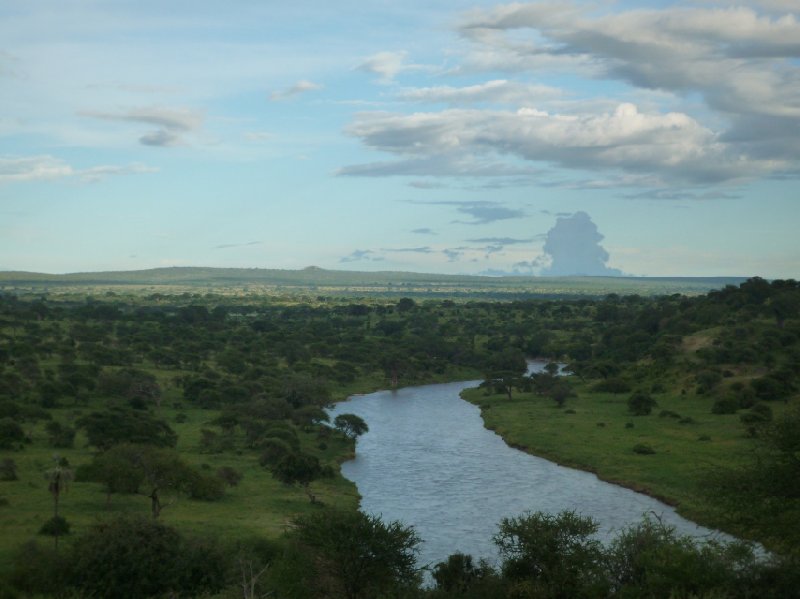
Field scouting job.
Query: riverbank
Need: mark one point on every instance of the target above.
(594, 432)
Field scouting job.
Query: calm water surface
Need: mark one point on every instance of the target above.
(428, 461)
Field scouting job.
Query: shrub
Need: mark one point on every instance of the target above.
(641, 404)
(205, 487)
(11, 434)
(643, 449)
(725, 405)
(8, 470)
(56, 526)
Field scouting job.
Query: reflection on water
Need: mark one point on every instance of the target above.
(428, 461)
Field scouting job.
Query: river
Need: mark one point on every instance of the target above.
(428, 461)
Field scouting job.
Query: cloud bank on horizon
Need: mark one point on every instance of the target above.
(133, 136)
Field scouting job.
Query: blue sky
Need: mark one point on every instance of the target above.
(373, 135)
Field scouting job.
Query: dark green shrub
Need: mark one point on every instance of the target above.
(56, 526)
(725, 405)
(11, 434)
(8, 469)
(643, 449)
(641, 404)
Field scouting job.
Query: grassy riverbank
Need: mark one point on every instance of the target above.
(595, 432)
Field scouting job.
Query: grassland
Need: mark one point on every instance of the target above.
(313, 281)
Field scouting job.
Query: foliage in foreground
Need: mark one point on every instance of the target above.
(351, 555)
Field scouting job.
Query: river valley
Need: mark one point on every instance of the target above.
(428, 461)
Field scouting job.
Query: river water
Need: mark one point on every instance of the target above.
(428, 461)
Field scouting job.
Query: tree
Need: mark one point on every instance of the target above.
(114, 426)
(298, 469)
(136, 558)
(58, 479)
(505, 369)
(148, 471)
(350, 425)
(357, 556)
(555, 554)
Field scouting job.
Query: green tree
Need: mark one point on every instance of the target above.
(148, 471)
(58, 480)
(138, 559)
(554, 555)
(357, 556)
(114, 426)
(297, 469)
(350, 425)
(505, 369)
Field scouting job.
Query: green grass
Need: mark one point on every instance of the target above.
(595, 438)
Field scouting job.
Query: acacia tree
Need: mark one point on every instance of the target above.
(151, 472)
(350, 425)
(298, 469)
(357, 556)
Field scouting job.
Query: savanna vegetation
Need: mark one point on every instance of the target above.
(185, 437)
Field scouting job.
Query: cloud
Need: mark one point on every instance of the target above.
(161, 137)
(482, 212)
(453, 255)
(172, 123)
(502, 241)
(385, 64)
(361, 255)
(671, 146)
(743, 63)
(416, 250)
(497, 91)
(297, 89)
(681, 194)
(424, 231)
(573, 247)
(48, 168)
(225, 246)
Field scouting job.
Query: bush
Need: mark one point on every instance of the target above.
(11, 434)
(56, 526)
(643, 449)
(138, 558)
(641, 404)
(725, 405)
(205, 487)
(8, 470)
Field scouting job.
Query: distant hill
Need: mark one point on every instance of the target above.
(353, 282)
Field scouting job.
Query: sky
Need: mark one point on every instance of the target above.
(655, 138)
